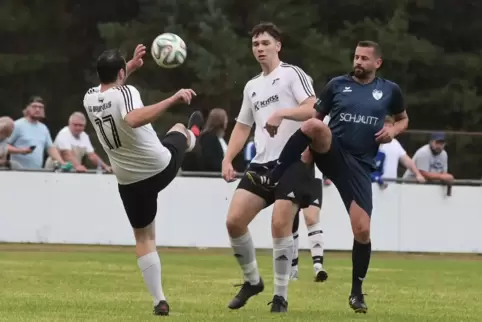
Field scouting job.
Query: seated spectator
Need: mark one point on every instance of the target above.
(432, 160)
(74, 145)
(6, 129)
(389, 156)
(32, 135)
(211, 141)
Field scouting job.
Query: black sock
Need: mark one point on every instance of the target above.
(294, 262)
(296, 223)
(317, 260)
(360, 260)
(291, 153)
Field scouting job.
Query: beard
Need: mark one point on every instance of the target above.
(436, 151)
(361, 72)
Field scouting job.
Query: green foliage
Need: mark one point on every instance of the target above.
(431, 49)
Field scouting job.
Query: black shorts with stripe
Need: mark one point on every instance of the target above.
(298, 184)
(140, 198)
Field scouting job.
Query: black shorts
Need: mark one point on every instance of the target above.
(140, 198)
(298, 184)
(350, 176)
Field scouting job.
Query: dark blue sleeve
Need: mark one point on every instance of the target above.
(397, 104)
(325, 100)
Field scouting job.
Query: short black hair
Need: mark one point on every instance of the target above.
(268, 27)
(371, 44)
(109, 63)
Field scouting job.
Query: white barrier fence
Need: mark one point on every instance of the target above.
(86, 209)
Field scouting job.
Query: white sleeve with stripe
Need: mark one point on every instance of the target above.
(301, 85)
(245, 115)
(130, 99)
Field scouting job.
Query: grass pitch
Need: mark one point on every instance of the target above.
(90, 283)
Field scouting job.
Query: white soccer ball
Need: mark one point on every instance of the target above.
(168, 50)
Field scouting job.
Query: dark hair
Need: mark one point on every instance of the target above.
(215, 121)
(268, 27)
(35, 99)
(371, 44)
(109, 63)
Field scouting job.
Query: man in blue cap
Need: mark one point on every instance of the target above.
(432, 160)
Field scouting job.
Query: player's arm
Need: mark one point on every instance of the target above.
(324, 102)
(302, 89)
(242, 129)
(302, 112)
(238, 138)
(397, 109)
(136, 62)
(136, 115)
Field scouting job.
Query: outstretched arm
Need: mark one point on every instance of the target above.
(136, 62)
(147, 114)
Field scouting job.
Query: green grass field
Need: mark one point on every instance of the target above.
(89, 283)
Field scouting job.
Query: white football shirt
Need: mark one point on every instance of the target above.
(287, 86)
(393, 153)
(134, 154)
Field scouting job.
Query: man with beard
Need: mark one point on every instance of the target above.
(432, 160)
(344, 150)
(31, 138)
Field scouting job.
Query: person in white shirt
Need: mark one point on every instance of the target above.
(74, 145)
(281, 94)
(143, 164)
(394, 154)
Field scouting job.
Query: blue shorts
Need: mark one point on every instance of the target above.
(350, 176)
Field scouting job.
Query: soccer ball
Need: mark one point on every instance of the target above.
(168, 50)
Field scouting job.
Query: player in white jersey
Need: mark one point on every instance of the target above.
(282, 94)
(142, 164)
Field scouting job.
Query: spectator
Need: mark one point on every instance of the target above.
(29, 133)
(212, 144)
(432, 160)
(391, 154)
(249, 151)
(6, 129)
(377, 175)
(74, 145)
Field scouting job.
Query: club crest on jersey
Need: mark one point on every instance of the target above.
(377, 94)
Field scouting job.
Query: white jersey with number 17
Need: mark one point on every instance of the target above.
(287, 86)
(135, 154)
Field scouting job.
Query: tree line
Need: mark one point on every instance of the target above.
(430, 48)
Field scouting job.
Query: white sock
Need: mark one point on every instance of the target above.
(282, 256)
(192, 142)
(150, 265)
(315, 238)
(243, 248)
